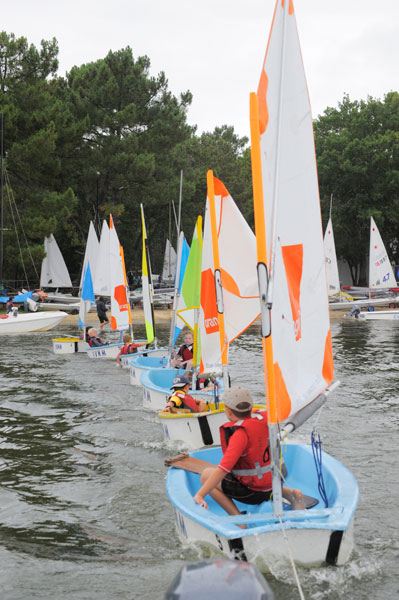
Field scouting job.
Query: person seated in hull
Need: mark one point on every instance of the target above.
(180, 400)
(92, 338)
(129, 347)
(244, 473)
(183, 359)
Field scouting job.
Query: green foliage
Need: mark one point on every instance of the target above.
(357, 146)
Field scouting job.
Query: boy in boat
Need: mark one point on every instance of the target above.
(129, 347)
(184, 357)
(244, 473)
(180, 400)
(92, 338)
(102, 312)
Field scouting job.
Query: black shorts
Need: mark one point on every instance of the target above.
(234, 489)
(103, 318)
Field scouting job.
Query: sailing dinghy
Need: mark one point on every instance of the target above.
(381, 279)
(296, 336)
(228, 304)
(29, 322)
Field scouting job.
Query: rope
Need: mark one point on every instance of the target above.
(298, 583)
(19, 245)
(317, 455)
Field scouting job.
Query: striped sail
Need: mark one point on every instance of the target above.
(331, 260)
(229, 249)
(295, 319)
(120, 310)
(146, 285)
(381, 274)
(189, 299)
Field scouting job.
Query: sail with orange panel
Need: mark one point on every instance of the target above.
(120, 308)
(229, 293)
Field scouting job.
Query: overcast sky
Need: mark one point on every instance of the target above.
(215, 48)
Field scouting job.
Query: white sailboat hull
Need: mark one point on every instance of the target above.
(69, 345)
(316, 536)
(29, 322)
(109, 351)
(308, 547)
(159, 352)
(379, 315)
(195, 430)
(367, 302)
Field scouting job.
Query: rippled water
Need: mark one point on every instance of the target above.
(83, 508)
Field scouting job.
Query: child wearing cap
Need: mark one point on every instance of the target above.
(181, 400)
(244, 473)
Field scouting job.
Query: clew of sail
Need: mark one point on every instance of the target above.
(87, 296)
(381, 275)
(120, 309)
(229, 291)
(292, 276)
(331, 261)
(146, 284)
(54, 272)
(102, 284)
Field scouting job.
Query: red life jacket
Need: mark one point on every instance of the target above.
(186, 352)
(253, 468)
(129, 349)
(188, 401)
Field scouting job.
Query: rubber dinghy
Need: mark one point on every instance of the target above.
(315, 536)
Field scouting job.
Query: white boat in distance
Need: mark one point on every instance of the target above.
(30, 322)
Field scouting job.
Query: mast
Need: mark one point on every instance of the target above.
(218, 279)
(148, 291)
(1, 199)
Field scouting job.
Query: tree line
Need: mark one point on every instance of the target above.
(109, 136)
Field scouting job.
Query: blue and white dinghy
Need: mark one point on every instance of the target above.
(295, 331)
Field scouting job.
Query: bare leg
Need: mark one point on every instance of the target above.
(224, 501)
(295, 497)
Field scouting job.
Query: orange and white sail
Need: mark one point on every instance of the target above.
(120, 309)
(295, 319)
(381, 275)
(229, 290)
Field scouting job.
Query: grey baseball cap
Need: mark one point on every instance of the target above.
(236, 397)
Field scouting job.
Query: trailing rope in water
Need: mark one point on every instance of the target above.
(317, 455)
(298, 583)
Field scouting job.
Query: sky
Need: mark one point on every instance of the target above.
(215, 48)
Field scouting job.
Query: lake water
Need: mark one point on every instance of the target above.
(83, 508)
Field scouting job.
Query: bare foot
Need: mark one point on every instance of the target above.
(295, 497)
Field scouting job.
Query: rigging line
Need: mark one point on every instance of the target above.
(16, 232)
(9, 189)
(298, 583)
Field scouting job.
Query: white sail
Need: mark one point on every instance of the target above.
(120, 316)
(237, 265)
(288, 227)
(331, 261)
(102, 284)
(169, 262)
(381, 273)
(91, 253)
(54, 271)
